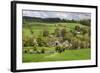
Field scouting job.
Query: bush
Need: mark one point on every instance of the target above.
(59, 49)
(42, 50)
(35, 48)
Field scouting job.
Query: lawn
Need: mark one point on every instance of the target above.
(79, 54)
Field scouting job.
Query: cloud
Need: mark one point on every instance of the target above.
(59, 14)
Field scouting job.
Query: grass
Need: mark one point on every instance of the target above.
(80, 54)
(37, 27)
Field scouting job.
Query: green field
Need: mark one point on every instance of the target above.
(80, 54)
(72, 54)
(38, 27)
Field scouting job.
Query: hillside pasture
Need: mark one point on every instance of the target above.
(37, 31)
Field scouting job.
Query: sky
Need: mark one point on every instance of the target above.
(57, 14)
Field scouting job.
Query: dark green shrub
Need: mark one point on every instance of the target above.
(42, 50)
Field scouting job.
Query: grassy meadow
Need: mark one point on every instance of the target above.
(68, 55)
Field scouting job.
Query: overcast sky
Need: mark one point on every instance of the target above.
(54, 14)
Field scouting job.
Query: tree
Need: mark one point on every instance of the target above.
(57, 32)
(26, 40)
(31, 31)
(40, 41)
(89, 31)
(74, 43)
(84, 41)
(77, 28)
(87, 41)
(84, 30)
(63, 32)
(45, 32)
(86, 22)
(68, 36)
(59, 49)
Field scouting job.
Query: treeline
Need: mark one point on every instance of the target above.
(86, 22)
(36, 19)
